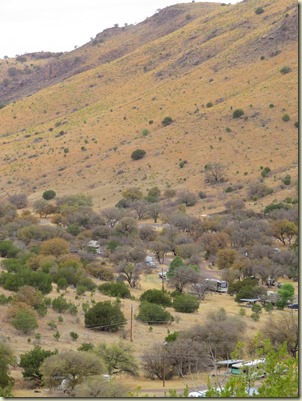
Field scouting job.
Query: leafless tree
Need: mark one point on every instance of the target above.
(215, 173)
(141, 208)
(182, 276)
(19, 200)
(130, 272)
(284, 329)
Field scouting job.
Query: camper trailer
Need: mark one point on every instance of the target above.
(217, 285)
(255, 368)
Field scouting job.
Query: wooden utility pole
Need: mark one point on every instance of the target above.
(131, 323)
(164, 369)
(162, 280)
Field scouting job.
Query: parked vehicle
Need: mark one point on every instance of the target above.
(293, 306)
(216, 285)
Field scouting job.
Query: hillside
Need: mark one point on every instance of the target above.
(74, 122)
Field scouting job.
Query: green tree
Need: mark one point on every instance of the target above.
(186, 303)
(105, 316)
(8, 249)
(31, 361)
(174, 264)
(118, 358)
(7, 359)
(25, 321)
(157, 297)
(76, 366)
(153, 314)
(285, 294)
(153, 195)
(115, 289)
(50, 194)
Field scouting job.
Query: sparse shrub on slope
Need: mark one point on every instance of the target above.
(238, 113)
(258, 190)
(285, 70)
(25, 321)
(167, 121)
(138, 154)
(259, 10)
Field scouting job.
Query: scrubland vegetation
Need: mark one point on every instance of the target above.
(133, 169)
(106, 253)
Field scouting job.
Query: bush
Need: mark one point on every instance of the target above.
(285, 70)
(255, 316)
(138, 154)
(286, 180)
(99, 271)
(247, 291)
(209, 104)
(74, 336)
(186, 303)
(115, 289)
(268, 307)
(156, 297)
(145, 132)
(48, 195)
(5, 300)
(238, 113)
(153, 314)
(60, 304)
(62, 283)
(80, 289)
(25, 321)
(171, 336)
(167, 121)
(236, 286)
(259, 10)
(274, 206)
(285, 118)
(187, 197)
(86, 347)
(258, 190)
(105, 316)
(31, 361)
(8, 249)
(256, 308)
(202, 195)
(39, 280)
(265, 171)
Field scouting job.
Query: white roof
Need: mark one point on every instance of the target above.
(249, 363)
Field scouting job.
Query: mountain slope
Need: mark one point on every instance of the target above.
(78, 135)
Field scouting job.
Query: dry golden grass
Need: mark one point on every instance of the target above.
(103, 111)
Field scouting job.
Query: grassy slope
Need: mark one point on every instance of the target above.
(216, 58)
